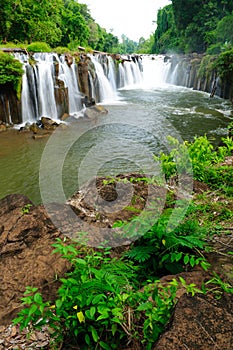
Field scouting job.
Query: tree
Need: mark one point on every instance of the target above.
(224, 31)
(74, 26)
(31, 20)
(166, 35)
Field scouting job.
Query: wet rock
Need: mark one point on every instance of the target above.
(199, 322)
(65, 116)
(88, 102)
(69, 59)
(48, 123)
(95, 111)
(3, 127)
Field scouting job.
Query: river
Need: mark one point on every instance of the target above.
(124, 140)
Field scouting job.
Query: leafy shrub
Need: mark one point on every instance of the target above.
(161, 250)
(11, 71)
(224, 65)
(214, 49)
(194, 159)
(99, 305)
(38, 47)
(61, 50)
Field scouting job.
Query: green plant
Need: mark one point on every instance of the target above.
(26, 208)
(38, 47)
(193, 158)
(217, 286)
(155, 305)
(99, 304)
(224, 65)
(89, 304)
(11, 71)
(161, 250)
(61, 50)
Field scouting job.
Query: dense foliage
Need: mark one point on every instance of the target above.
(66, 23)
(194, 25)
(11, 71)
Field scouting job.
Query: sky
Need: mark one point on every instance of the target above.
(134, 18)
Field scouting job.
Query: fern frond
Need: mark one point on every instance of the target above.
(140, 253)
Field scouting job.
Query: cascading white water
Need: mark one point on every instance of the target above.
(112, 73)
(106, 92)
(69, 76)
(45, 79)
(39, 81)
(155, 71)
(27, 108)
(172, 78)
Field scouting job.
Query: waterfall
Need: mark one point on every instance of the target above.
(112, 73)
(155, 71)
(29, 92)
(173, 76)
(106, 92)
(45, 81)
(42, 79)
(130, 75)
(69, 76)
(39, 82)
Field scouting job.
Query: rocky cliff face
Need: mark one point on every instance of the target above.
(10, 106)
(193, 71)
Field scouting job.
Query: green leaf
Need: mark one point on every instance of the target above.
(92, 311)
(38, 298)
(80, 261)
(186, 259)
(103, 316)
(104, 345)
(32, 309)
(192, 261)
(98, 298)
(87, 339)
(114, 329)
(59, 303)
(94, 334)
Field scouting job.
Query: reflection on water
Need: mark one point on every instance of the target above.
(123, 140)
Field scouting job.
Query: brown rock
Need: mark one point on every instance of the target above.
(3, 127)
(93, 111)
(200, 322)
(48, 124)
(26, 236)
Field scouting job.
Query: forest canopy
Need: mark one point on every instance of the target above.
(65, 23)
(194, 26)
(183, 26)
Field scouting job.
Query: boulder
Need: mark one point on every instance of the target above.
(199, 322)
(48, 123)
(26, 237)
(94, 111)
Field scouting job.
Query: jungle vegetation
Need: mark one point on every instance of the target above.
(63, 23)
(187, 26)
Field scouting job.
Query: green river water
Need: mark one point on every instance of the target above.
(123, 140)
